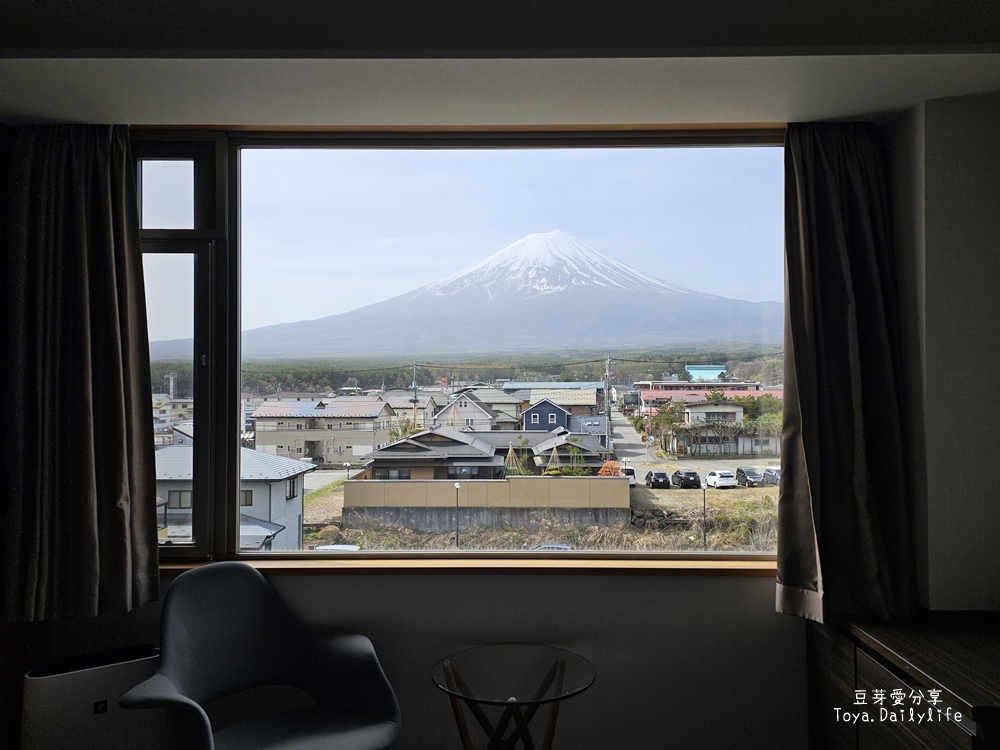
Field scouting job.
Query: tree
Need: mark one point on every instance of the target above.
(401, 428)
(611, 469)
(715, 395)
(768, 403)
(664, 423)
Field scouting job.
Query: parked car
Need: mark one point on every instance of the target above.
(748, 476)
(657, 479)
(686, 478)
(772, 475)
(557, 546)
(720, 479)
(630, 473)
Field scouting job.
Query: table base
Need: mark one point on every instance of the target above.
(511, 713)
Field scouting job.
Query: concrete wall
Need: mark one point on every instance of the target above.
(513, 492)
(946, 190)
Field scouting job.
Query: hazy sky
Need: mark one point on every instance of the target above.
(326, 231)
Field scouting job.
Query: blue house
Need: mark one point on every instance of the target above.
(545, 415)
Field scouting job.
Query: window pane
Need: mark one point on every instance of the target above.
(170, 319)
(167, 194)
(532, 338)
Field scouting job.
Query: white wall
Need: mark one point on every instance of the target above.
(682, 662)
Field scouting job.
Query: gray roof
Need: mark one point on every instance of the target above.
(487, 395)
(464, 445)
(174, 462)
(254, 532)
(521, 385)
(343, 406)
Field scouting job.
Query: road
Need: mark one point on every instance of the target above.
(631, 451)
(322, 477)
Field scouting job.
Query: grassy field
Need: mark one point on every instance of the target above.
(741, 519)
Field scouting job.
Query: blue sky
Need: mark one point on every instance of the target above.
(326, 231)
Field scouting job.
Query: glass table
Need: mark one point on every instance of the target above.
(519, 677)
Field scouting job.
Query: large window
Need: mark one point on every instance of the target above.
(354, 311)
(430, 292)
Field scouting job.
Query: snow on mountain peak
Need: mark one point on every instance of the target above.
(544, 263)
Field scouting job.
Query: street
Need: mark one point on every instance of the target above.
(632, 452)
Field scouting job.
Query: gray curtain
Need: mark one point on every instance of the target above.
(78, 514)
(844, 526)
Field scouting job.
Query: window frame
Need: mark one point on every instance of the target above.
(217, 222)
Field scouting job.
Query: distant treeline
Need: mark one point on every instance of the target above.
(268, 376)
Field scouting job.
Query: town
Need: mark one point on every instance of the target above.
(425, 467)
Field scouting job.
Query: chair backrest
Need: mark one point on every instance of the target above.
(225, 630)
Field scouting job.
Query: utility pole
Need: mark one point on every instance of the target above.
(414, 400)
(607, 402)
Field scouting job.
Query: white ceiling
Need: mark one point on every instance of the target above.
(482, 92)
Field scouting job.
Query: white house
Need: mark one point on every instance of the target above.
(271, 495)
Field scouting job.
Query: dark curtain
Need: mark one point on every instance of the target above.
(844, 527)
(78, 515)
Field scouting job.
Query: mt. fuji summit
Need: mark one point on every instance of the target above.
(547, 291)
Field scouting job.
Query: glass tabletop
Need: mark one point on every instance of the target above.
(518, 673)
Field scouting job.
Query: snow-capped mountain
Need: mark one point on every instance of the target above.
(546, 292)
(547, 263)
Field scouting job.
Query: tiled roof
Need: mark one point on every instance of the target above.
(174, 462)
(566, 396)
(490, 396)
(343, 406)
(466, 445)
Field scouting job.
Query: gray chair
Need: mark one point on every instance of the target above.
(238, 670)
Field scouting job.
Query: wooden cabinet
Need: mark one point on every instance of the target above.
(951, 658)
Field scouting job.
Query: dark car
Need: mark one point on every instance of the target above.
(772, 475)
(686, 478)
(748, 476)
(657, 479)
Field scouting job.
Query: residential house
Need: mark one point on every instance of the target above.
(585, 400)
(506, 407)
(467, 412)
(440, 452)
(443, 452)
(270, 499)
(168, 410)
(589, 424)
(528, 391)
(923, 69)
(329, 432)
(419, 409)
(708, 411)
(546, 416)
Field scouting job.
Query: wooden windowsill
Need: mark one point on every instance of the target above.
(764, 566)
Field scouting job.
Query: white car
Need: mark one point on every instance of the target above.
(720, 479)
